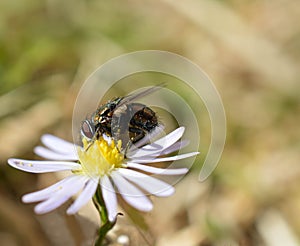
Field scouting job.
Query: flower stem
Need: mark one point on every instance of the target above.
(106, 225)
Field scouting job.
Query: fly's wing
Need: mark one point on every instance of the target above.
(135, 96)
(121, 127)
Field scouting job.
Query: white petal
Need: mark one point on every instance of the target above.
(156, 170)
(87, 194)
(47, 192)
(58, 145)
(176, 146)
(109, 197)
(61, 196)
(152, 185)
(171, 158)
(131, 194)
(159, 145)
(51, 155)
(43, 166)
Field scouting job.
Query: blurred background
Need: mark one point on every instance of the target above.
(250, 49)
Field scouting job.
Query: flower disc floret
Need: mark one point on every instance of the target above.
(100, 157)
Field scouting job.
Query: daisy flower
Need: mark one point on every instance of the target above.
(103, 165)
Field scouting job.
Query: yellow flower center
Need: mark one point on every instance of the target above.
(100, 157)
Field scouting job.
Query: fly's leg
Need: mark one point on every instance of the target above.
(96, 136)
(138, 135)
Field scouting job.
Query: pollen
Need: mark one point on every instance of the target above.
(101, 157)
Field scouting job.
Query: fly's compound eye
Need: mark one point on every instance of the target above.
(87, 130)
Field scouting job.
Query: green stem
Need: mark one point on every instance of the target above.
(106, 225)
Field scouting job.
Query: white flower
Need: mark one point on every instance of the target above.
(102, 163)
